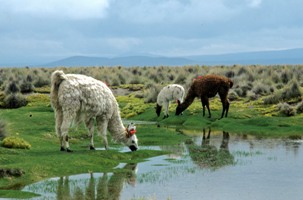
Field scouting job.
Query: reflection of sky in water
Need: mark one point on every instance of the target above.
(262, 169)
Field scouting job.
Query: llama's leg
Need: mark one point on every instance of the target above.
(166, 107)
(59, 119)
(64, 134)
(225, 105)
(181, 101)
(90, 125)
(207, 106)
(205, 102)
(102, 130)
(203, 106)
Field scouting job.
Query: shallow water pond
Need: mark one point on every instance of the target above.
(216, 165)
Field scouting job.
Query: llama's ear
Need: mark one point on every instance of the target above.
(178, 102)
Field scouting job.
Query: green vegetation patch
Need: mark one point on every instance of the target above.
(17, 194)
(131, 106)
(15, 142)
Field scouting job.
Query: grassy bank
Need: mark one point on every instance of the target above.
(247, 117)
(35, 124)
(250, 113)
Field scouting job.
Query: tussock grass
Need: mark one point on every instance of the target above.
(15, 142)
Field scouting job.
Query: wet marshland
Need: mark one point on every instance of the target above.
(209, 165)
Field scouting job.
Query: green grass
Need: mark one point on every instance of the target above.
(16, 194)
(35, 124)
(249, 117)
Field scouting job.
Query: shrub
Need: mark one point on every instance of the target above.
(272, 99)
(286, 109)
(15, 142)
(135, 80)
(41, 82)
(232, 95)
(285, 76)
(230, 74)
(15, 101)
(252, 96)
(151, 94)
(261, 89)
(242, 70)
(299, 107)
(115, 82)
(181, 79)
(292, 91)
(26, 87)
(12, 87)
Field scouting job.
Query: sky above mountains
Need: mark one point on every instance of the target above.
(35, 31)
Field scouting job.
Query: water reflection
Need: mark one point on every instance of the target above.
(259, 167)
(207, 155)
(96, 186)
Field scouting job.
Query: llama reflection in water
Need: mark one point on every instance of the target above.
(106, 187)
(209, 156)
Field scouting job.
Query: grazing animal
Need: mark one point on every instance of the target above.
(204, 88)
(76, 98)
(167, 94)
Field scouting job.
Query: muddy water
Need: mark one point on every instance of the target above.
(218, 166)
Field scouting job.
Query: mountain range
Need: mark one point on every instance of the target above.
(290, 56)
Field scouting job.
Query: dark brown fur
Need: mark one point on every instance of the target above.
(207, 87)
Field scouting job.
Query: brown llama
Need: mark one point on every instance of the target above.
(204, 88)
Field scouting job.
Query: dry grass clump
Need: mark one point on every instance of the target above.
(286, 110)
(151, 93)
(299, 107)
(274, 84)
(261, 89)
(291, 91)
(12, 98)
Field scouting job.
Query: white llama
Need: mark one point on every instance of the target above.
(76, 98)
(167, 94)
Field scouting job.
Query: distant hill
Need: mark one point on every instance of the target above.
(121, 61)
(291, 56)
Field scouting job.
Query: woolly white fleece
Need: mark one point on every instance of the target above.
(76, 98)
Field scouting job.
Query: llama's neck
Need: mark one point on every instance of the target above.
(190, 97)
(116, 128)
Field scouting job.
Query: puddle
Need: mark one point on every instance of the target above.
(219, 166)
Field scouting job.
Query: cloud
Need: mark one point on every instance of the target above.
(71, 9)
(172, 11)
(254, 3)
(38, 29)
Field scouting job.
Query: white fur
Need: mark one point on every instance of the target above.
(76, 98)
(169, 93)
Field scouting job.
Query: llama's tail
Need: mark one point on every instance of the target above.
(57, 77)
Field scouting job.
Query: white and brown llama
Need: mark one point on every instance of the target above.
(76, 98)
(166, 95)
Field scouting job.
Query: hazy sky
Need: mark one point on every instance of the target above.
(38, 31)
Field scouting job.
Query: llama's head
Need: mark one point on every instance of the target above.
(158, 109)
(179, 108)
(132, 141)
